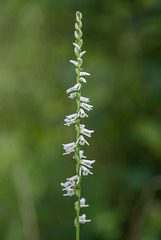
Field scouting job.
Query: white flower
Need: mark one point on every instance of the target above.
(69, 185)
(82, 219)
(74, 178)
(85, 131)
(82, 203)
(85, 171)
(71, 116)
(66, 184)
(70, 119)
(74, 62)
(82, 113)
(84, 74)
(82, 79)
(69, 147)
(82, 53)
(76, 45)
(75, 88)
(73, 95)
(81, 154)
(86, 106)
(84, 99)
(87, 163)
(81, 140)
(70, 192)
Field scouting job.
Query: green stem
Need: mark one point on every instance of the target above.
(77, 171)
(78, 213)
(77, 126)
(78, 162)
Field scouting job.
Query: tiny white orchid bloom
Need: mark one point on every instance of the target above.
(82, 203)
(85, 131)
(86, 106)
(81, 141)
(70, 182)
(85, 171)
(82, 53)
(69, 123)
(66, 184)
(71, 116)
(75, 88)
(70, 119)
(76, 45)
(69, 147)
(75, 178)
(87, 163)
(82, 79)
(84, 99)
(84, 74)
(82, 113)
(82, 219)
(70, 192)
(70, 185)
(73, 95)
(74, 62)
(81, 152)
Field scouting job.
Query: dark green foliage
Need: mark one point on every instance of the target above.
(123, 43)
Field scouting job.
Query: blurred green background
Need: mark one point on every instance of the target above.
(123, 43)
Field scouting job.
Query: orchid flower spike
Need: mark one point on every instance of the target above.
(72, 186)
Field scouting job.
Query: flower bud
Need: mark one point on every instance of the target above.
(79, 15)
(76, 26)
(80, 33)
(76, 35)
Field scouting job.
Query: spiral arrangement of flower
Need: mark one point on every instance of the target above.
(72, 186)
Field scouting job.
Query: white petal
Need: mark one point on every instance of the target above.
(87, 163)
(70, 118)
(82, 219)
(73, 95)
(81, 152)
(82, 79)
(74, 62)
(82, 113)
(82, 53)
(86, 131)
(81, 141)
(76, 87)
(82, 202)
(84, 74)
(74, 178)
(86, 106)
(85, 171)
(76, 45)
(76, 35)
(84, 99)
